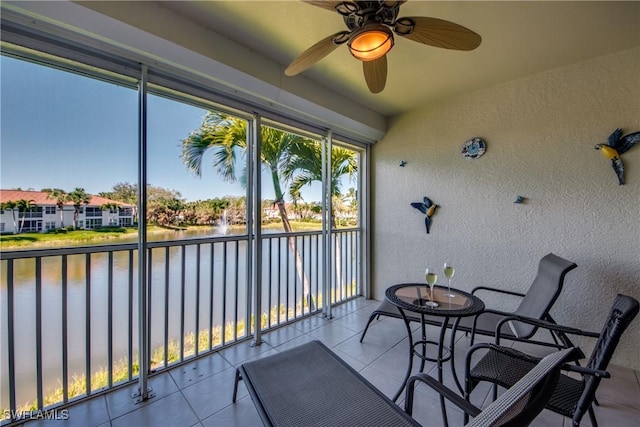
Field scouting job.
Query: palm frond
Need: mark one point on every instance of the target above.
(220, 133)
(193, 149)
(300, 180)
(224, 160)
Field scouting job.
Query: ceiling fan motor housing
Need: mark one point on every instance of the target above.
(370, 24)
(358, 14)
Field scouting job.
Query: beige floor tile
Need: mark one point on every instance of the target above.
(199, 393)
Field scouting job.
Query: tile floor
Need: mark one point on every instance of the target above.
(199, 393)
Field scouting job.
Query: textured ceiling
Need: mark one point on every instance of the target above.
(519, 39)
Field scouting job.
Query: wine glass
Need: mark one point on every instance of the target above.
(432, 278)
(449, 271)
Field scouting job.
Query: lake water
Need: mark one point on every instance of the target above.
(216, 265)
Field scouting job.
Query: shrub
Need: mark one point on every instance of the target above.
(110, 229)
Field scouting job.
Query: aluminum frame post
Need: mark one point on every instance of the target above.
(144, 391)
(364, 205)
(254, 205)
(326, 223)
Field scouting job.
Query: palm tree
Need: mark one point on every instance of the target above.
(60, 197)
(113, 209)
(78, 197)
(23, 206)
(10, 205)
(295, 200)
(126, 193)
(338, 208)
(305, 166)
(352, 198)
(226, 136)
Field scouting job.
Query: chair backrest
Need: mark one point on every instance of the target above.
(520, 404)
(543, 292)
(623, 311)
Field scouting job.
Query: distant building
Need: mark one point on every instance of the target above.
(272, 212)
(45, 215)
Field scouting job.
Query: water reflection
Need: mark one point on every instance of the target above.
(193, 287)
(87, 298)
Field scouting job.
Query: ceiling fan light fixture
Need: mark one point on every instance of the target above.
(371, 43)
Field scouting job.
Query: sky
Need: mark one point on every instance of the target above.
(62, 130)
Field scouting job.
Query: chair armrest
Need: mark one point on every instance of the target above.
(489, 311)
(443, 390)
(586, 371)
(544, 325)
(559, 330)
(493, 311)
(502, 291)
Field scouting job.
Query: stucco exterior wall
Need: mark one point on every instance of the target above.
(540, 134)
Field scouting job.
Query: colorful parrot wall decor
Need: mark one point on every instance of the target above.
(615, 146)
(428, 208)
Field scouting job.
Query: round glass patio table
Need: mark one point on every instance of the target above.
(413, 297)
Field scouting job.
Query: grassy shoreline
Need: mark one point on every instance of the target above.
(71, 238)
(117, 235)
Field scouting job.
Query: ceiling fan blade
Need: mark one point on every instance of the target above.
(316, 52)
(375, 74)
(438, 33)
(327, 4)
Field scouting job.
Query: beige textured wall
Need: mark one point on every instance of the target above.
(540, 134)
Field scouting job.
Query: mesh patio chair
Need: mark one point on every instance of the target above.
(536, 303)
(572, 397)
(517, 407)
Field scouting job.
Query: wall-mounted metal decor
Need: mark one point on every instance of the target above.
(428, 208)
(615, 146)
(520, 199)
(474, 148)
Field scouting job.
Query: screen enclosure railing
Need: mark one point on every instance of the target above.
(69, 315)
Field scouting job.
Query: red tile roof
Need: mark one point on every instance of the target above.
(42, 198)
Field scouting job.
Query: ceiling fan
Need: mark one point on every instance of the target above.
(372, 25)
